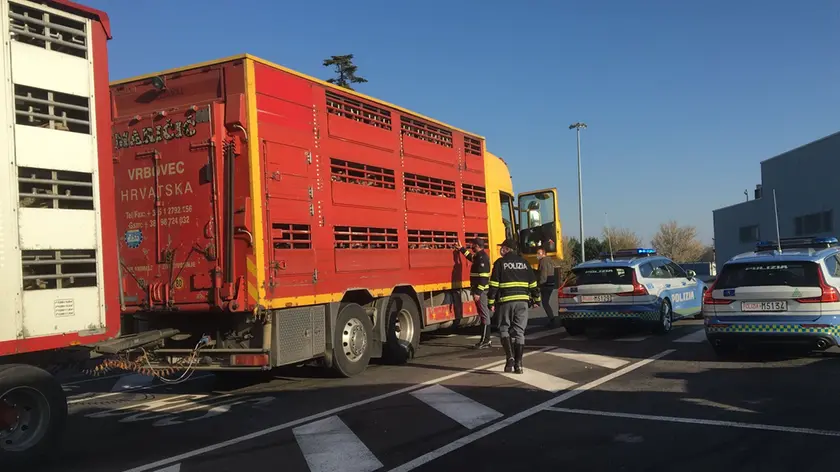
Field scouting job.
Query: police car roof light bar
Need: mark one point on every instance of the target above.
(636, 252)
(797, 243)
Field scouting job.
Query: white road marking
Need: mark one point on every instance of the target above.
(478, 336)
(171, 468)
(510, 420)
(722, 406)
(575, 338)
(106, 395)
(594, 359)
(537, 379)
(544, 333)
(330, 446)
(470, 413)
(700, 421)
(698, 336)
(633, 339)
(93, 379)
(293, 423)
(132, 381)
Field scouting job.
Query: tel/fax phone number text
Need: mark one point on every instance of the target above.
(164, 211)
(164, 221)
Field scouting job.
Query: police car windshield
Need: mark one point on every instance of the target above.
(791, 273)
(603, 275)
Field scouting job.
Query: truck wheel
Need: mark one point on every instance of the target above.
(352, 337)
(402, 331)
(33, 412)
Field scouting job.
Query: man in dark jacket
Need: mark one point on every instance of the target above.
(546, 282)
(479, 280)
(513, 289)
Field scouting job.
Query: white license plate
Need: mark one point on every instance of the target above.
(764, 306)
(595, 298)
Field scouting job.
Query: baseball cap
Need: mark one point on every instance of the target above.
(510, 244)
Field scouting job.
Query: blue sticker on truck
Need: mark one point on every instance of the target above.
(133, 238)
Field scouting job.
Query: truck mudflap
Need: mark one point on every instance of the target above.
(169, 174)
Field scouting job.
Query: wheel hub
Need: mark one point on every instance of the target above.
(9, 416)
(354, 340)
(24, 419)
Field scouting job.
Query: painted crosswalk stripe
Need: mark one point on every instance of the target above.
(544, 333)
(633, 339)
(464, 410)
(131, 382)
(698, 336)
(171, 468)
(594, 359)
(328, 445)
(535, 378)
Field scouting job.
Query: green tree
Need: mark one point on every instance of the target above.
(345, 71)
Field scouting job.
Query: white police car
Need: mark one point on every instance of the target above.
(777, 296)
(632, 284)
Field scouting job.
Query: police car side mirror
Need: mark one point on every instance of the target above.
(690, 274)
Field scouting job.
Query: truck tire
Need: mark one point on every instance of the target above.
(33, 413)
(352, 339)
(402, 329)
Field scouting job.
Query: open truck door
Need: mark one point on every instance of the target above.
(539, 224)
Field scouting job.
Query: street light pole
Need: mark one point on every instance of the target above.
(578, 126)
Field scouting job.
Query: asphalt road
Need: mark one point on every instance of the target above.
(608, 401)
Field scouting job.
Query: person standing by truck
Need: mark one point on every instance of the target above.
(547, 283)
(513, 289)
(479, 280)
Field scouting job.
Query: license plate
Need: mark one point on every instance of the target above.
(595, 298)
(764, 306)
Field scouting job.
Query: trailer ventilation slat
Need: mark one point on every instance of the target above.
(472, 146)
(53, 110)
(416, 183)
(48, 269)
(356, 110)
(474, 193)
(432, 239)
(362, 174)
(357, 237)
(48, 31)
(471, 236)
(56, 189)
(291, 236)
(425, 131)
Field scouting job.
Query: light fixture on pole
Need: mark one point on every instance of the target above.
(578, 126)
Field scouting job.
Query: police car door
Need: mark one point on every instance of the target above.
(659, 280)
(685, 300)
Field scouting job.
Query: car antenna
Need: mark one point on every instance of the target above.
(609, 238)
(776, 212)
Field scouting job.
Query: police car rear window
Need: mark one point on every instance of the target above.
(603, 275)
(793, 274)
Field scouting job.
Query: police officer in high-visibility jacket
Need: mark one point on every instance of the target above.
(513, 290)
(479, 278)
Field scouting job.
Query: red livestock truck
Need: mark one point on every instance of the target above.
(58, 246)
(268, 218)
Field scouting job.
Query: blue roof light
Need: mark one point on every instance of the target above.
(639, 251)
(797, 243)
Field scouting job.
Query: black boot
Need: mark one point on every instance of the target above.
(517, 358)
(484, 343)
(508, 354)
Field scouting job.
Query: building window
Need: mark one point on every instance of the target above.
(748, 234)
(813, 223)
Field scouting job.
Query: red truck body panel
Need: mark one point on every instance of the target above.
(353, 192)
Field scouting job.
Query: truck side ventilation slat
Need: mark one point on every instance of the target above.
(358, 237)
(48, 31)
(362, 174)
(53, 110)
(291, 236)
(431, 239)
(472, 146)
(423, 131)
(56, 189)
(416, 183)
(472, 236)
(474, 193)
(356, 110)
(48, 269)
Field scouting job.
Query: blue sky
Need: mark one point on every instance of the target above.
(683, 99)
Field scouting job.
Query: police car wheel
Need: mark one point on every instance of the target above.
(574, 328)
(666, 318)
